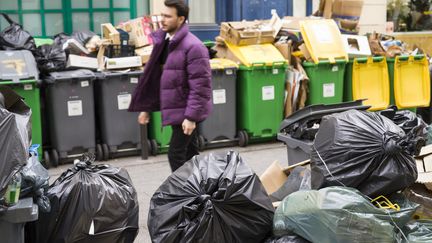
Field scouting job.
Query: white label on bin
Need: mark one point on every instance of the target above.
(75, 108)
(229, 72)
(268, 93)
(219, 96)
(329, 90)
(28, 86)
(134, 80)
(275, 71)
(322, 33)
(84, 84)
(335, 68)
(124, 101)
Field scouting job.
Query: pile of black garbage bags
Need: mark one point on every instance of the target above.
(360, 187)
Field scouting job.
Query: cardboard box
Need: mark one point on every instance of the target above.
(347, 8)
(123, 62)
(275, 176)
(75, 61)
(424, 166)
(144, 53)
(139, 32)
(356, 46)
(285, 50)
(109, 32)
(75, 47)
(246, 33)
(293, 23)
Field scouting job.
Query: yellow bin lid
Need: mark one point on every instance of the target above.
(411, 81)
(266, 54)
(323, 40)
(222, 63)
(370, 80)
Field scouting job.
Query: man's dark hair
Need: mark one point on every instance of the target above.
(180, 5)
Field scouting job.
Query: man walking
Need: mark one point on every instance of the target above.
(176, 81)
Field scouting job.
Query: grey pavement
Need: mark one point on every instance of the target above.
(147, 175)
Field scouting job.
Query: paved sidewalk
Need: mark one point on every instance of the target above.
(147, 175)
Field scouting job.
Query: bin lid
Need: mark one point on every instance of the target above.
(314, 112)
(370, 81)
(111, 73)
(70, 75)
(412, 81)
(24, 211)
(323, 40)
(266, 54)
(17, 65)
(222, 63)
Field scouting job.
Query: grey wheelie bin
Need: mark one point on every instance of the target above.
(14, 218)
(119, 130)
(71, 115)
(220, 128)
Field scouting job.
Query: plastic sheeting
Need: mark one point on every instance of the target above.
(363, 150)
(35, 181)
(212, 198)
(339, 214)
(90, 203)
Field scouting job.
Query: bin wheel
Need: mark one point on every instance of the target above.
(47, 160)
(243, 137)
(99, 153)
(201, 143)
(106, 152)
(54, 158)
(154, 147)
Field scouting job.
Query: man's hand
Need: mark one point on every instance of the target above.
(188, 126)
(143, 118)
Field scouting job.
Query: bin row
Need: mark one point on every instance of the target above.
(403, 81)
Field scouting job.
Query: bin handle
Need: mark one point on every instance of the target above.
(378, 59)
(361, 60)
(403, 58)
(278, 63)
(258, 64)
(418, 57)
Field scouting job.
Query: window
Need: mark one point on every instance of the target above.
(202, 11)
(49, 17)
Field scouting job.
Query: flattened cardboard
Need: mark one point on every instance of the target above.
(356, 46)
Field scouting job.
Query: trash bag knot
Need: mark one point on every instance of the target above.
(391, 145)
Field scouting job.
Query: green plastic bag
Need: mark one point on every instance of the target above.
(418, 232)
(340, 214)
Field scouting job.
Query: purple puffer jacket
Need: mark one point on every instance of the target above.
(183, 89)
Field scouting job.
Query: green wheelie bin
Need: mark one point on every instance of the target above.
(260, 101)
(18, 70)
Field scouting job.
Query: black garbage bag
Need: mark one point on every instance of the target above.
(82, 36)
(290, 238)
(90, 204)
(15, 130)
(212, 198)
(298, 179)
(14, 37)
(363, 150)
(415, 128)
(50, 58)
(35, 181)
(60, 39)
